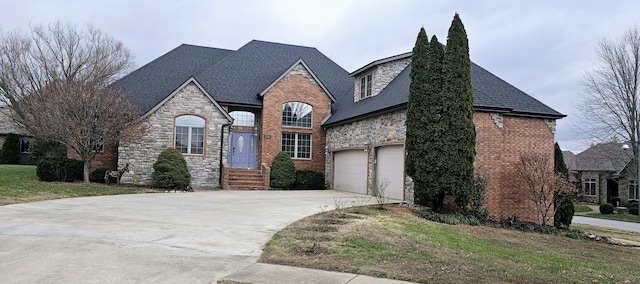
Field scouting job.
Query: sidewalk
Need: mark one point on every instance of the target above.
(261, 273)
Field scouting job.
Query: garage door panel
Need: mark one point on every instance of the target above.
(390, 169)
(350, 171)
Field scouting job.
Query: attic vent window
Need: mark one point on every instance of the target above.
(365, 86)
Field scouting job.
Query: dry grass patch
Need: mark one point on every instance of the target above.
(395, 243)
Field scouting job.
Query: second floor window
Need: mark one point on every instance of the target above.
(297, 114)
(365, 86)
(189, 137)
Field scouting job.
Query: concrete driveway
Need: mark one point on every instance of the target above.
(153, 238)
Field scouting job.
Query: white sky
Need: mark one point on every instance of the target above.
(542, 47)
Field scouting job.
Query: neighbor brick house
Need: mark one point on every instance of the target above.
(230, 112)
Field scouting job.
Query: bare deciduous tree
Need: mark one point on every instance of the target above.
(611, 102)
(55, 81)
(534, 173)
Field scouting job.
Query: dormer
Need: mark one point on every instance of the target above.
(375, 76)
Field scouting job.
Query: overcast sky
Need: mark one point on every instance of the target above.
(541, 47)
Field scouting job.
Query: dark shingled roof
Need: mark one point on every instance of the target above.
(153, 82)
(489, 93)
(609, 157)
(230, 77)
(238, 77)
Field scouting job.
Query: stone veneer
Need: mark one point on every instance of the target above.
(498, 146)
(384, 129)
(381, 76)
(204, 169)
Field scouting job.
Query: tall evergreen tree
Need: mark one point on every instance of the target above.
(559, 166)
(458, 171)
(415, 109)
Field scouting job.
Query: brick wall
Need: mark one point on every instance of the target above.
(106, 159)
(297, 86)
(500, 142)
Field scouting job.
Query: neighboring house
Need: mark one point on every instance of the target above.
(606, 170)
(230, 113)
(7, 126)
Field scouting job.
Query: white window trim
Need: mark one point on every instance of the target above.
(368, 86)
(587, 190)
(189, 135)
(296, 139)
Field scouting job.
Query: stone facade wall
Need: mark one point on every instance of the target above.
(204, 169)
(498, 146)
(296, 86)
(381, 76)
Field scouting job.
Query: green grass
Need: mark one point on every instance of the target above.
(619, 217)
(19, 183)
(397, 244)
(582, 208)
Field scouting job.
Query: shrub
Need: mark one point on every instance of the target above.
(615, 201)
(59, 169)
(633, 210)
(98, 175)
(283, 172)
(170, 170)
(564, 211)
(10, 152)
(308, 179)
(606, 208)
(450, 219)
(633, 203)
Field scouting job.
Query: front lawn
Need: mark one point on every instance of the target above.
(395, 243)
(19, 184)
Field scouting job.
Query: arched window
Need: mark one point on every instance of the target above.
(243, 118)
(190, 134)
(297, 114)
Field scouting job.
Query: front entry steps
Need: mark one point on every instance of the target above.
(246, 179)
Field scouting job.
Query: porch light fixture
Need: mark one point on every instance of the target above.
(626, 146)
(367, 146)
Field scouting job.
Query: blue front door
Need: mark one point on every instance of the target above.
(243, 150)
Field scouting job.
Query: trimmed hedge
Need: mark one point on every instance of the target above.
(59, 169)
(170, 170)
(98, 175)
(633, 210)
(283, 171)
(606, 208)
(308, 179)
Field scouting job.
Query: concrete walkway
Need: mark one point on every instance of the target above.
(196, 237)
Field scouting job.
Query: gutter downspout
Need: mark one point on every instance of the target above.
(221, 148)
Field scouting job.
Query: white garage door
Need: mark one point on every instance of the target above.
(350, 171)
(390, 169)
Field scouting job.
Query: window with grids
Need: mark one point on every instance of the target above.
(365, 86)
(589, 187)
(633, 189)
(190, 134)
(297, 145)
(297, 114)
(243, 118)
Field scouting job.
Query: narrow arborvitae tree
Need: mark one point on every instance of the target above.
(10, 151)
(460, 137)
(559, 166)
(562, 199)
(418, 97)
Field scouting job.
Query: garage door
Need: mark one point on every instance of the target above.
(390, 169)
(350, 171)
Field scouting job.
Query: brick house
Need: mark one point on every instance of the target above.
(604, 171)
(230, 112)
